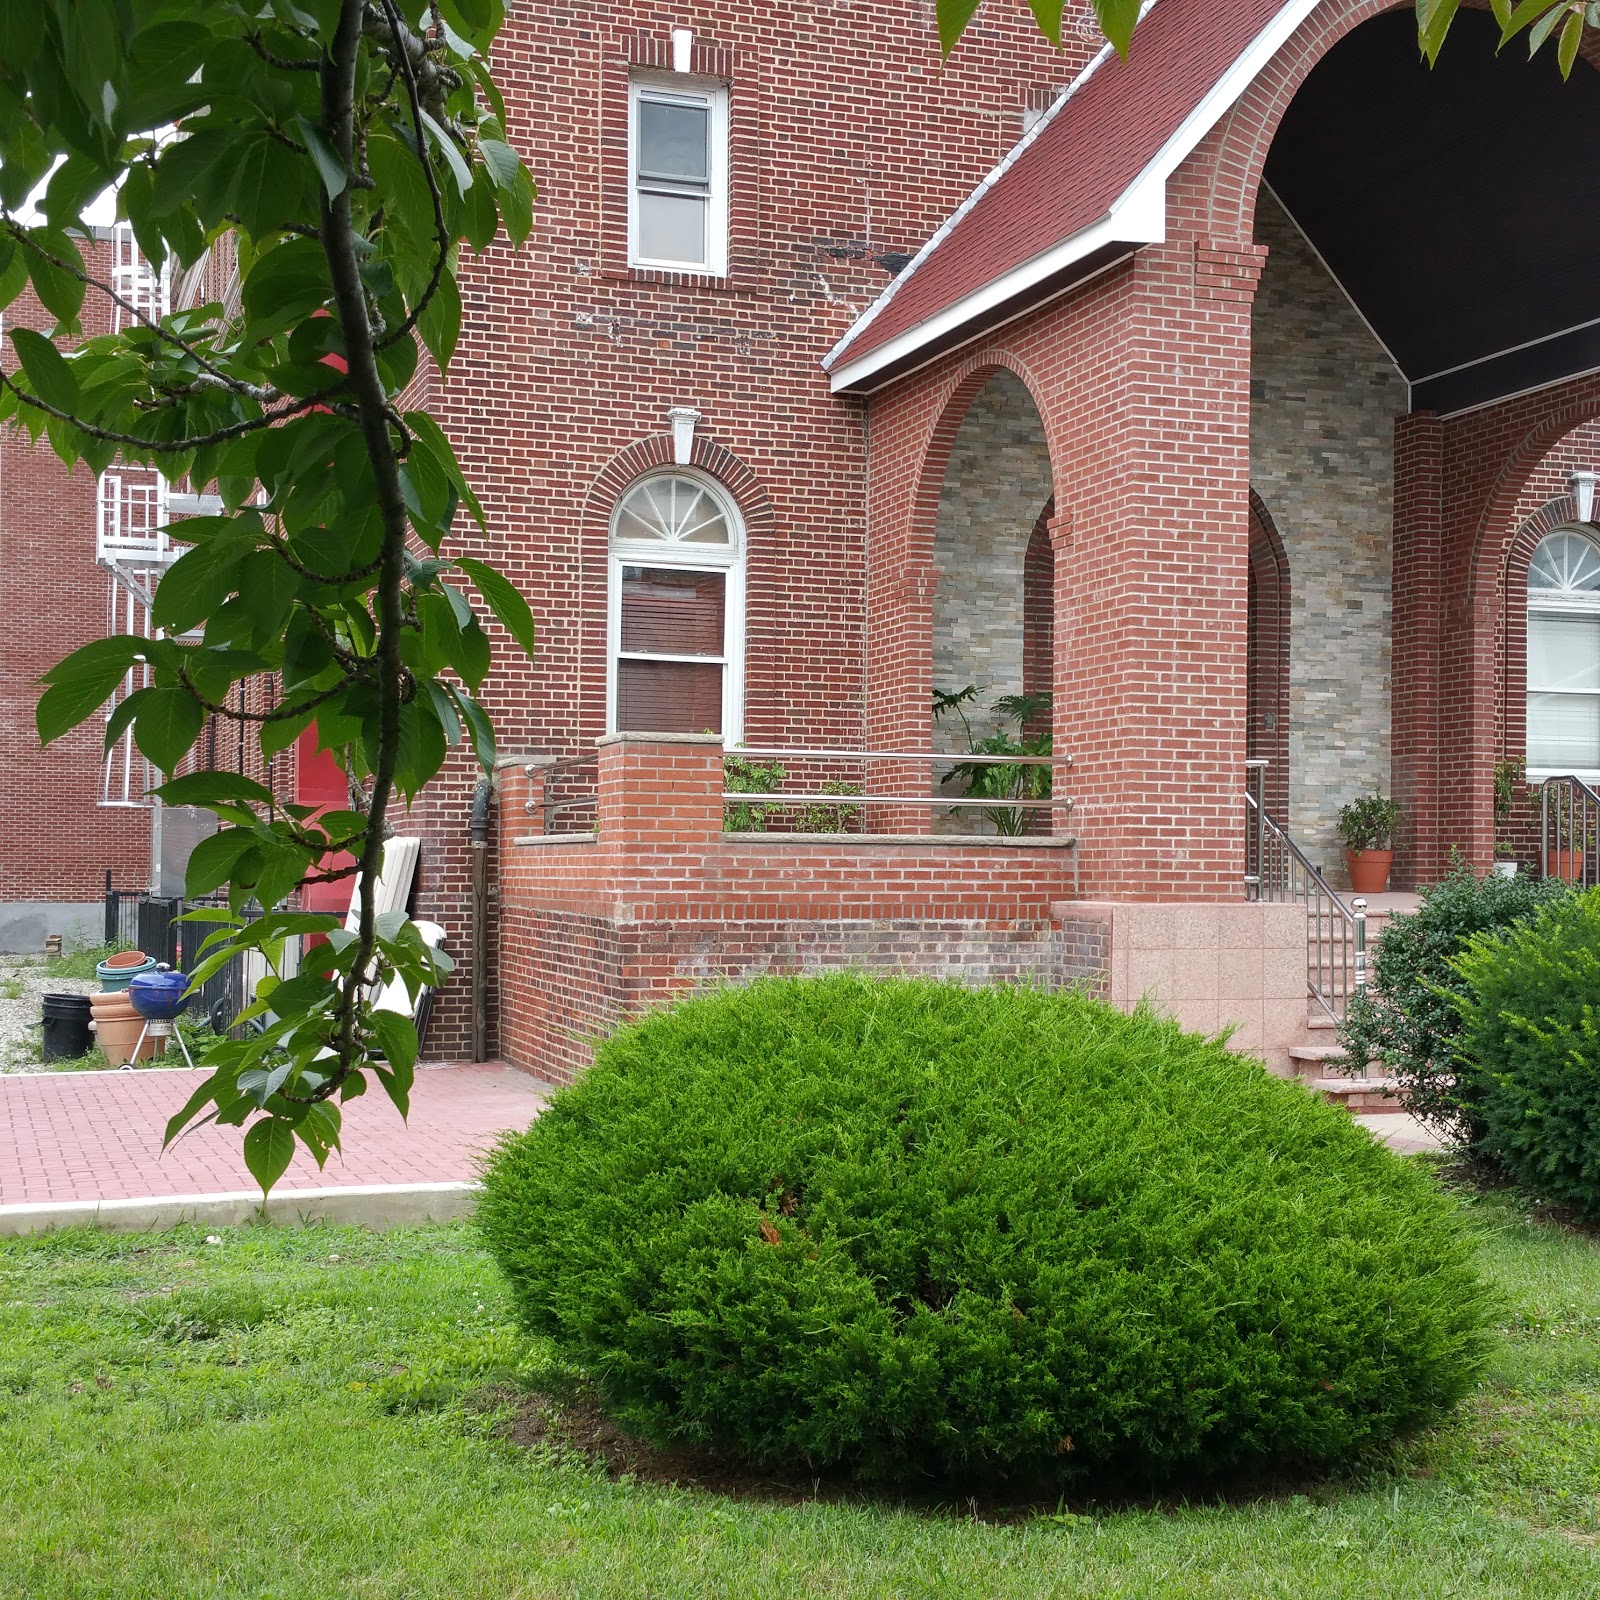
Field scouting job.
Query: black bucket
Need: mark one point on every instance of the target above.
(66, 1026)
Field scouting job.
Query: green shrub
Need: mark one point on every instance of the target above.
(1408, 1016)
(908, 1229)
(1530, 1035)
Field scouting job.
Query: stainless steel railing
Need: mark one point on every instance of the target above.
(1277, 869)
(1569, 830)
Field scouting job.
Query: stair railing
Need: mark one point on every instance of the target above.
(1278, 870)
(1569, 830)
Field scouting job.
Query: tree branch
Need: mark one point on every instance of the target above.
(441, 232)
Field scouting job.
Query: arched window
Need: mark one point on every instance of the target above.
(676, 614)
(1564, 654)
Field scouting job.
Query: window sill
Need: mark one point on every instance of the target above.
(676, 278)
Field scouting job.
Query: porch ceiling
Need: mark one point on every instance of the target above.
(1459, 207)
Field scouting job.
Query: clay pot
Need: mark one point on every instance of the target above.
(1565, 864)
(117, 1027)
(1369, 870)
(118, 971)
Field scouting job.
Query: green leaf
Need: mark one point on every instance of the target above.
(952, 17)
(1117, 20)
(516, 207)
(440, 322)
(1047, 13)
(1571, 38)
(203, 788)
(268, 1150)
(397, 1038)
(1433, 23)
(168, 723)
(451, 152)
(503, 599)
(212, 860)
(433, 438)
(48, 370)
(200, 580)
(478, 726)
(83, 683)
(329, 166)
(283, 287)
(318, 1128)
(202, 1097)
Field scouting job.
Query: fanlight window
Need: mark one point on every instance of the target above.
(1564, 654)
(673, 510)
(677, 610)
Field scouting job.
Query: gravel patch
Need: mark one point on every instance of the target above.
(29, 978)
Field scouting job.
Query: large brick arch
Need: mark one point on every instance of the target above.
(1235, 152)
(1267, 669)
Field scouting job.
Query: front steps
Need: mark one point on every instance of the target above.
(1318, 1060)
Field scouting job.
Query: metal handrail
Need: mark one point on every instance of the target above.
(1278, 870)
(1569, 827)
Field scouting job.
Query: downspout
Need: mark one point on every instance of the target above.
(478, 833)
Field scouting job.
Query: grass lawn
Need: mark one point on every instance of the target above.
(303, 1415)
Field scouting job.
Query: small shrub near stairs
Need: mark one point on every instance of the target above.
(1408, 1016)
(1530, 1036)
(913, 1231)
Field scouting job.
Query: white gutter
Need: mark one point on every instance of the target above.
(1137, 216)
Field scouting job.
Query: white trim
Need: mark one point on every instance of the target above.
(1137, 216)
(714, 97)
(727, 560)
(1511, 350)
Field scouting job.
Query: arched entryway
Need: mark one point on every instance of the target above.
(1267, 660)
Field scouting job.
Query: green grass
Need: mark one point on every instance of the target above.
(300, 1415)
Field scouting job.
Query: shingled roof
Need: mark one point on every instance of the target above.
(1084, 188)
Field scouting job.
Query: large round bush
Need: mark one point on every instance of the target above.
(908, 1229)
(1530, 1039)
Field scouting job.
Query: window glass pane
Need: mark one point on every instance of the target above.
(672, 613)
(1564, 732)
(1563, 652)
(674, 141)
(1568, 562)
(677, 510)
(672, 227)
(668, 697)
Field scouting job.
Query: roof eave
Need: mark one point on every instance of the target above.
(1139, 220)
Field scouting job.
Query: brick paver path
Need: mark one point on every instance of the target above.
(97, 1135)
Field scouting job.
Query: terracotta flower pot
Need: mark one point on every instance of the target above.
(1567, 864)
(117, 1027)
(1369, 870)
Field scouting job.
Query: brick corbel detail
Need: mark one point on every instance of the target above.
(1226, 269)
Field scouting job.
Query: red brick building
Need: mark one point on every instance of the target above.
(1240, 393)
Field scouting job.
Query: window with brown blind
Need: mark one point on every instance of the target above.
(677, 592)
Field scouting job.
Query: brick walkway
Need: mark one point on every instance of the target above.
(97, 1135)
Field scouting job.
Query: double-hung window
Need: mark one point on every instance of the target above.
(676, 617)
(1564, 655)
(678, 177)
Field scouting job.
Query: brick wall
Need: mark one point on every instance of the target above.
(852, 142)
(56, 842)
(1324, 398)
(660, 901)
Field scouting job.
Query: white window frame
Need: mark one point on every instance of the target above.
(677, 89)
(728, 560)
(1556, 604)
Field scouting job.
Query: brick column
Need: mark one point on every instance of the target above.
(1152, 625)
(1417, 610)
(659, 790)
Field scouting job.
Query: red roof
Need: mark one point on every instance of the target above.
(1117, 121)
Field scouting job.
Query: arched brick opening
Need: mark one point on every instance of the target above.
(902, 575)
(1039, 610)
(1267, 669)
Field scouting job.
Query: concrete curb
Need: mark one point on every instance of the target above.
(370, 1205)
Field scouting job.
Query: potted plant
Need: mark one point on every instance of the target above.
(1509, 771)
(1572, 826)
(1367, 828)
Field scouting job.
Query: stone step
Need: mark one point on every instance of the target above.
(1364, 1095)
(1316, 1052)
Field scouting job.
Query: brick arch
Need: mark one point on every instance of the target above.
(1237, 148)
(1039, 608)
(1267, 656)
(654, 454)
(961, 387)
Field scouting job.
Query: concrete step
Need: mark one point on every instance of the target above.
(1366, 1095)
